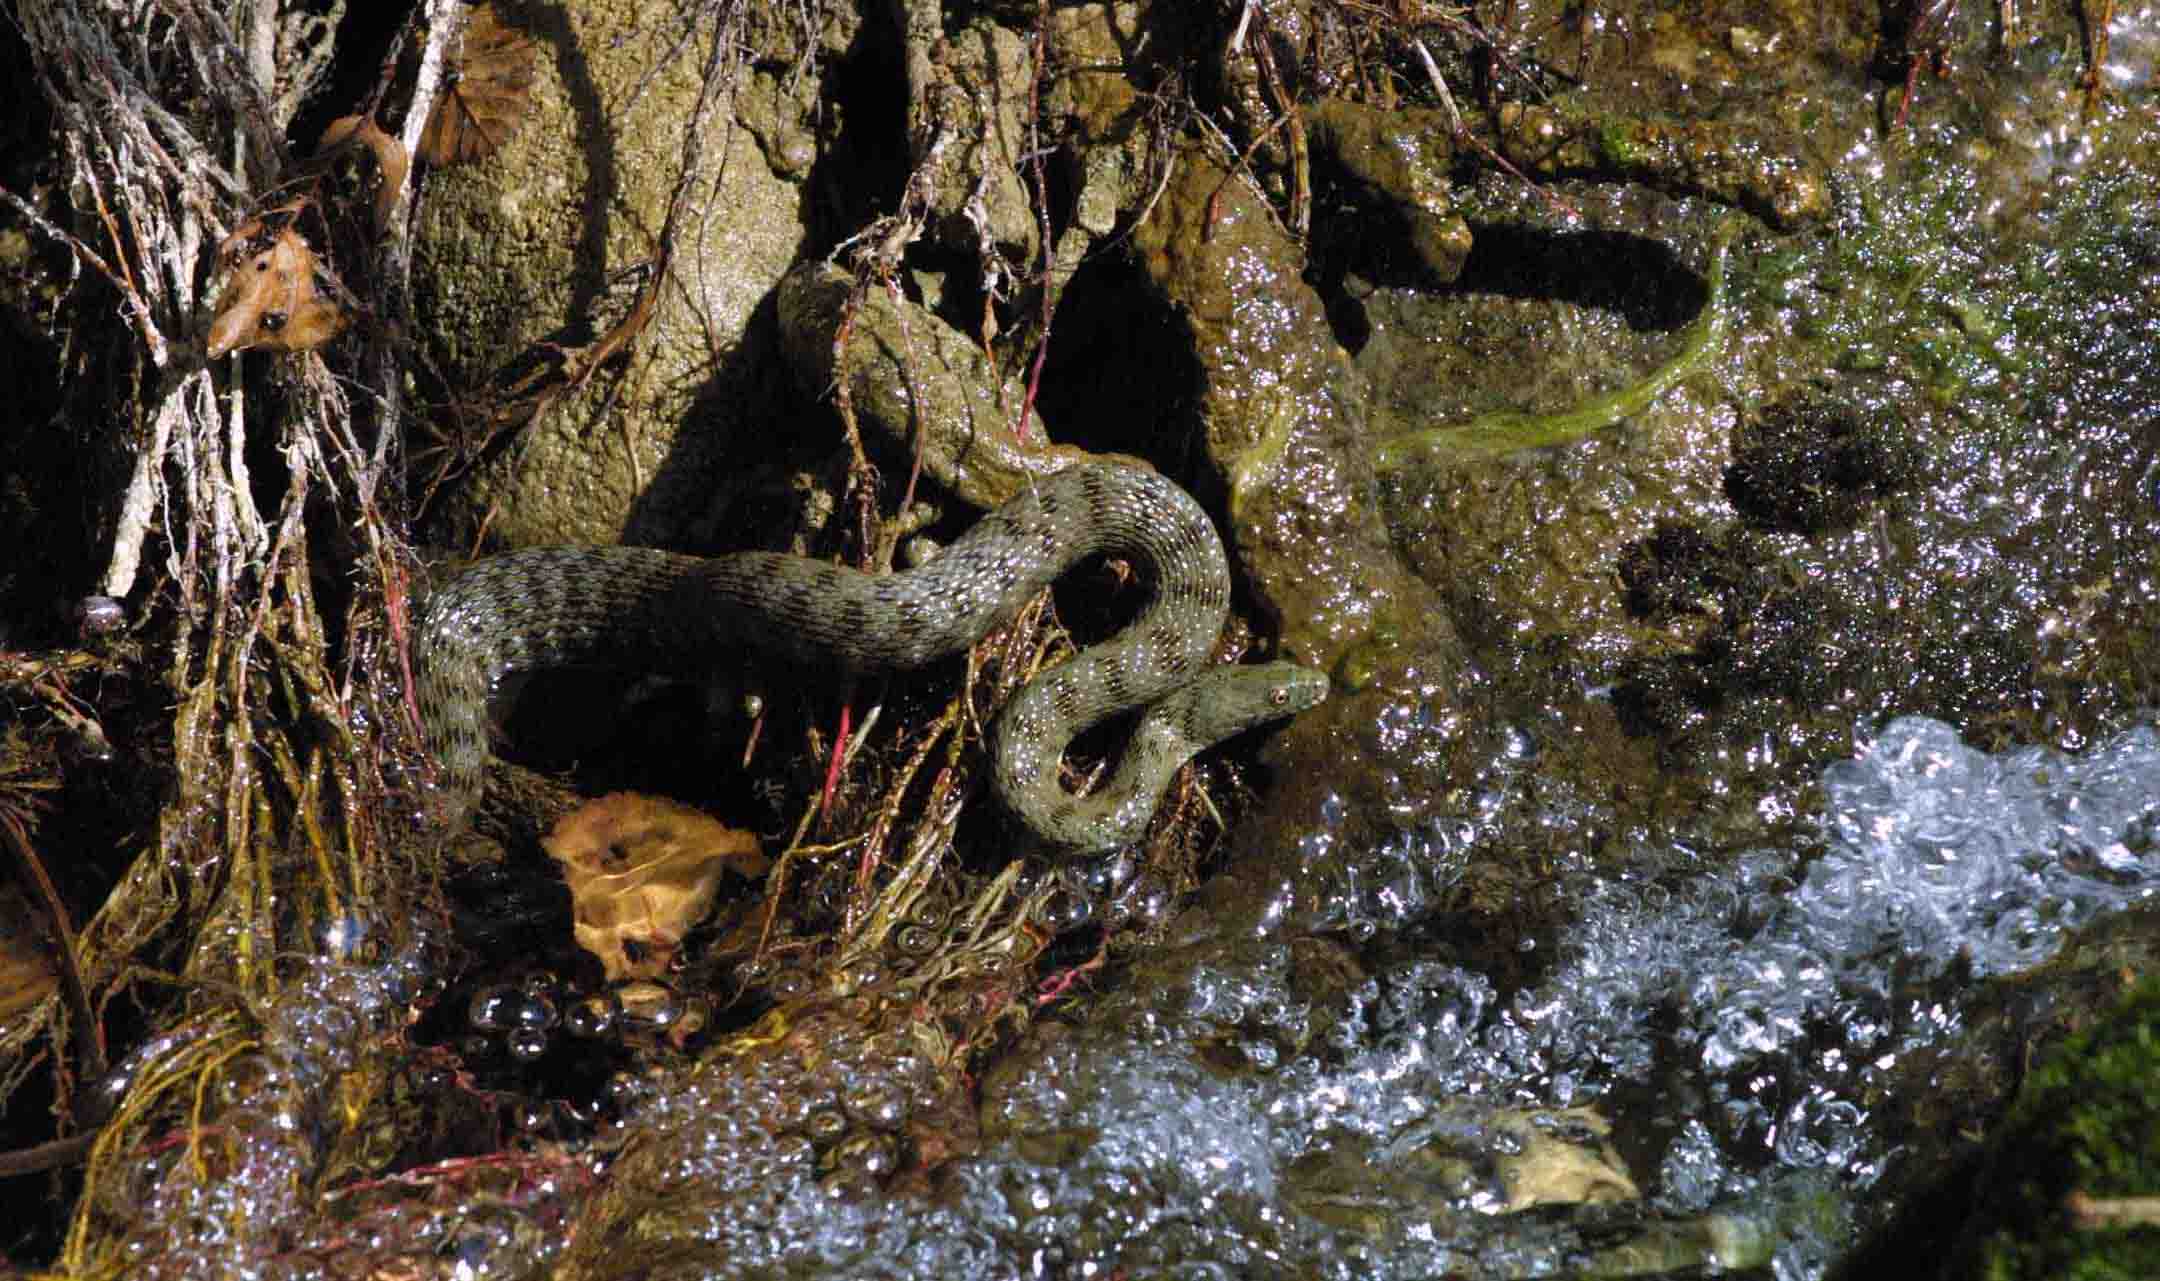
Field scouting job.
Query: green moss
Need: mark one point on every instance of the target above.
(2088, 1122)
(1617, 146)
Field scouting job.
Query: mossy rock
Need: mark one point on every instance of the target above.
(528, 258)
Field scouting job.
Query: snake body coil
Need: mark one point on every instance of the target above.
(654, 610)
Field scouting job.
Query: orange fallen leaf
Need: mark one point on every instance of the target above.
(274, 294)
(483, 99)
(642, 872)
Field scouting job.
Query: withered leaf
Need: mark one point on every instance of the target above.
(483, 98)
(391, 161)
(276, 295)
(642, 871)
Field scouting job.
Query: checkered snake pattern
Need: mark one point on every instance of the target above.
(660, 611)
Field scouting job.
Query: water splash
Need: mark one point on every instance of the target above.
(1263, 1107)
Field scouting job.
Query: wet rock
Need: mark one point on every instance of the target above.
(525, 262)
(969, 94)
(1401, 158)
(1749, 168)
(1280, 417)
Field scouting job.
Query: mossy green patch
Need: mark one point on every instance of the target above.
(1507, 432)
(2086, 1127)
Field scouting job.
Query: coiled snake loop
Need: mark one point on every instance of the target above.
(646, 609)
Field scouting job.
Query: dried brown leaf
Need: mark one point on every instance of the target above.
(642, 871)
(275, 296)
(391, 162)
(483, 98)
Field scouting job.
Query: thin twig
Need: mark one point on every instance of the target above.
(1463, 133)
(47, 1156)
(89, 1034)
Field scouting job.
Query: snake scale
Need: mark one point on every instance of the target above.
(661, 611)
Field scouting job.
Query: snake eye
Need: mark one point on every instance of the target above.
(1278, 696)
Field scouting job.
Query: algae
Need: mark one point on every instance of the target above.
(1503, 433)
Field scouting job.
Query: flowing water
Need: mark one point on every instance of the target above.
(1237, 1121)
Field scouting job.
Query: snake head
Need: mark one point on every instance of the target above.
(1241, 697)
(1297, 688)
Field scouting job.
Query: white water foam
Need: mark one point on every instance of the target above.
(1240, 1120)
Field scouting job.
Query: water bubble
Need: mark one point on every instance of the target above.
(849, 1186)
(526, 1044)
(870, 1154)
(930, 911)
(624, 1091)
(494, 1008)
(593, 1016)
(869, 974)
(536, 1012)
(1064, 910)
(1106, 875)
(1147, 902)
(649, 1007)
(875, 1103)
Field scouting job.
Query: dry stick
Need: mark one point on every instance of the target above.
(259, 133)
(393, 275)
(1300, 149)
(2091, 1213)
(1462, 132)
(1042, 216)
(47, 1156)
(881, 553)
(89, 1035)
(79, 69)
(2096, 48)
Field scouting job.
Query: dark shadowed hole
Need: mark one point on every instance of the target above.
(1121, 374)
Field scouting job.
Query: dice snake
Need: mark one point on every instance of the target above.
(662, 611)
